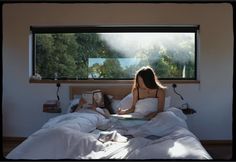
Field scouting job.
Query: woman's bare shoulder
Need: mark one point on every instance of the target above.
(135, 92)
(161, 91)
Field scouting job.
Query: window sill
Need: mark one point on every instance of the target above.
(109, 81)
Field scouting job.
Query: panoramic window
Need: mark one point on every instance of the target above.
(113, 53)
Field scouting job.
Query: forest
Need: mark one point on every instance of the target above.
(113, 56)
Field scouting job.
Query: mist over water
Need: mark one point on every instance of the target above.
(178, 46)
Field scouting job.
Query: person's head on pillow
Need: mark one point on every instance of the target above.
(100, 100)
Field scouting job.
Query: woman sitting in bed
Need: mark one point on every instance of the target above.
(146, 85)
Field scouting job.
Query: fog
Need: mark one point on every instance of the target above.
(178, 46)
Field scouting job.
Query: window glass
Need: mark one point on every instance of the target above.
(114, 55)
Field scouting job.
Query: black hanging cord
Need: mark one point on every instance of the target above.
(58, 87)
(174, 86)
(187, 109)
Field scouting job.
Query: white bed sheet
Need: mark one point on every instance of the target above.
(69, 136)
(180, 144)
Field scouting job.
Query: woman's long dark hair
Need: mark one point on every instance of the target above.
(108, 104)
(149, 78)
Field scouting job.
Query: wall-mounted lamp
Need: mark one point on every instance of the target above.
(53, 106)
(58, 87)
(184, 107)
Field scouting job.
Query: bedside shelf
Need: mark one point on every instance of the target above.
(52, 106)
(188, 111)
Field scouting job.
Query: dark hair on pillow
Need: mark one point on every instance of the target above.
(73, 108)
(107, 104)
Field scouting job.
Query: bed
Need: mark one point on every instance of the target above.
(77, 135)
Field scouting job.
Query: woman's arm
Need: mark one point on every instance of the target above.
(161, 100)
(130, 110)
(126, 111)
(80, 105)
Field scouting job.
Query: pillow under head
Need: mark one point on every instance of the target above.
(73, 104)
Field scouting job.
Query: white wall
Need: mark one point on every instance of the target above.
(212, 97)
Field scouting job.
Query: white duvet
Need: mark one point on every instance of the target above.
(71, 136)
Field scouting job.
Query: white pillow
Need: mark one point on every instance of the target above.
(110, 97)
(126, 102)
(73, 102)
(167, 102)
(115, 104)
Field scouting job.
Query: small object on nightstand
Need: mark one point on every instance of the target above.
(52, 106)
(188, 111)
(184, 107)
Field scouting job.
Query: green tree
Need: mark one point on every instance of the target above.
(55, 53)
(90, 45)
(44, 59)
(111, 68)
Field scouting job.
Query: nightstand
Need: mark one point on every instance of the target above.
(52, 106)
(188, 111)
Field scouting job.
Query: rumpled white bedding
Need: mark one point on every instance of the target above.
(180, 144)
(69, 136)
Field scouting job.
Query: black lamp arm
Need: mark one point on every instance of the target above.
(185, 107)
(58, 86)
(174, 86)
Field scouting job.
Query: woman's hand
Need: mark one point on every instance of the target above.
(93, 106)
(120, 111)
(82, 101)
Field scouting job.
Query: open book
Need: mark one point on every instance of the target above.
(94, 96)
(131, 116)
(105, 136)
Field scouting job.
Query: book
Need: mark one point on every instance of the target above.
(88, 97)
(107, 136)
(94, 97)
(128, 116)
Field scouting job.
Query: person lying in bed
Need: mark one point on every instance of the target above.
(103, 110)
(146, 85)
